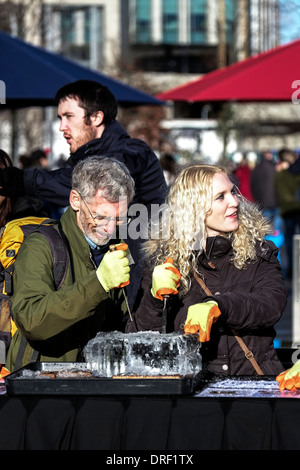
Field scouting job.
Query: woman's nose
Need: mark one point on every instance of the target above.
(233, 201)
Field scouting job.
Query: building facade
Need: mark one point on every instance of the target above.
(179, 36)
(151, 44)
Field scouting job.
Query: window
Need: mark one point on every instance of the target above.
(170, 21)
(143, 21)
(230, 20)
(81, 34)
(198, 21)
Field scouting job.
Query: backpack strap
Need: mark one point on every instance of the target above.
(61, 259)
(60, 253)
(21, 351)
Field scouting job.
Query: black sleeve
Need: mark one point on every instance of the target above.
(52, 186)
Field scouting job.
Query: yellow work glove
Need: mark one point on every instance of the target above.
(114, 270)
(200, 318)
(124, 247)
(165, 280)
(290, 379)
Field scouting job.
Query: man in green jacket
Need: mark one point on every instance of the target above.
(56, 324)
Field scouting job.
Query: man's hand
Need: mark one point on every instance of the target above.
(290, 379)
(114, 270)
(11, 182)
(200, 318)
(165, 280)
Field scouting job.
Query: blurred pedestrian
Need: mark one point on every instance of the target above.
(242, 175)
(23, 206)
(11, 209)
(24, 162)
(39, 159)
(263, 186)
(287, 186)
(169, 167)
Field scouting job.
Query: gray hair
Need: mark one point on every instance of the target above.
(104, 173)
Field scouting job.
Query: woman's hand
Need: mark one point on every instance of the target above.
(200, 318)
(165, 280)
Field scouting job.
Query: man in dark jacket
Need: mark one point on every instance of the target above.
(87, 111)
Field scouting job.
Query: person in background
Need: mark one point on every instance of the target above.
(242, 176)
(24, 162)
(87, 111)
(223, 278)
(11, 209)
(39, 159)
(15, 208)
(56, 324)
(263, 185)
(169, 166)
(287, 186)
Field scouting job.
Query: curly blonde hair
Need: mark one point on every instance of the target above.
(180, 232)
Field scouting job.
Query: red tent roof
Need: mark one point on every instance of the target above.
(268, 76)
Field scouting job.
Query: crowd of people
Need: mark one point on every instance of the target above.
(222, 276)
(273, 183)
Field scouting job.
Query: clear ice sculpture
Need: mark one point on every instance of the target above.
(144, 354)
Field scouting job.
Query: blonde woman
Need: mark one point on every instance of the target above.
(211, 234)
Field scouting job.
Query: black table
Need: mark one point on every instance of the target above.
(148, 423)
(158, 423)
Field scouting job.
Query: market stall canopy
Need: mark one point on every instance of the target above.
(32, 76)
(269, 76)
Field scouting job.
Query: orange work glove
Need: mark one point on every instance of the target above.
(3, 372)
(165, 279)
(200, 318)
(290, 379)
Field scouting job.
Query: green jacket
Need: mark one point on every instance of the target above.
(58, 323)
(287, 187)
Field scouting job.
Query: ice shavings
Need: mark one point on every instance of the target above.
(244, 387)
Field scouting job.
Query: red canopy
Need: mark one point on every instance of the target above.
(268, 76)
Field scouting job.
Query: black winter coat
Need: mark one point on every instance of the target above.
(150, 187)
(251, 301)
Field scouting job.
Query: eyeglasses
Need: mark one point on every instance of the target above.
(101, 220)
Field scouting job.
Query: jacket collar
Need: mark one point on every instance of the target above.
(216, 248)
(104, 145)
(77, 239)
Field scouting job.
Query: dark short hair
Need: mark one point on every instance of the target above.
(92, 96)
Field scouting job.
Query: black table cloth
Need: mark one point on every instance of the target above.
(136, 423)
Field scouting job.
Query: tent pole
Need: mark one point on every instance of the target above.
(14, 137)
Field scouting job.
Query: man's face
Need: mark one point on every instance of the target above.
(90, 214)
(73, 126)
